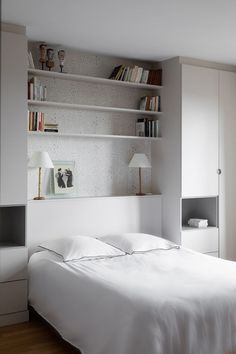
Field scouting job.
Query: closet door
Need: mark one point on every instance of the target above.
(13, 119)
(227, 203)
(199, 131)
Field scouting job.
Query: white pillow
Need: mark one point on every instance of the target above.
(80, 247)
(137, 242)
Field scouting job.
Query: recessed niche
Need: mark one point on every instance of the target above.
(200, 208)
(12, 226)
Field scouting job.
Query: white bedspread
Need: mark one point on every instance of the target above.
(160, 302)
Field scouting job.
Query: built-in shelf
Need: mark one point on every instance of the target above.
(48, 199)
(188, 228)
(9, 244)
(86, 107)
(12, 226)
(92, 79)
(100, 136)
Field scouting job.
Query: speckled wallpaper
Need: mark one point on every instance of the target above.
(101, 165)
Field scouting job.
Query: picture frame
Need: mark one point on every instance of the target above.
(63, 177)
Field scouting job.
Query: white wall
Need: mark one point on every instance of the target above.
(92, 217)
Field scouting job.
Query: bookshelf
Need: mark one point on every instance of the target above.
(96, 136)
(65, 105)
(96, 119)
(92, 79)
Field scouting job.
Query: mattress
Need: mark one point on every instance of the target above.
(159, 302)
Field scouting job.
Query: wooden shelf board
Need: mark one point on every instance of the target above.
(93, 79)
(101, 136)
(90, 107)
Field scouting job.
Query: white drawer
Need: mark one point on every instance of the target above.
(13, 263)
(201, 240)
(13, 296)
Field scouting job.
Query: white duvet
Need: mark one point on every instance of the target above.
(159, 302)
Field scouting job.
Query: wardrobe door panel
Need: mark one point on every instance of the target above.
(227, 200)
(13, 120)
(199, 131)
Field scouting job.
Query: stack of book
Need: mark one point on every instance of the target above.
(51, 127)
(36, 121)
(36, 91)
(147, 127)
(137, 74)
(150, 103)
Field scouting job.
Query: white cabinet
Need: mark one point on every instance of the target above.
(227, 201)
(189, 157)
(201, 240)
(13, 285)
(13, 263)
(199, 131)
(13, 139)
(13, 297)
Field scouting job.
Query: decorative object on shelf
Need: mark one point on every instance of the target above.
(140, 161)
(43, 54)
(61, 57)
(40, 159)
(63, 176)
(50, 56)
(198, 223)
(30, 61)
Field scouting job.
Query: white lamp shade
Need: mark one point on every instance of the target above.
(140, 160)
(40, 159)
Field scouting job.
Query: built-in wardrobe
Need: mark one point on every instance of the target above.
(196, 162)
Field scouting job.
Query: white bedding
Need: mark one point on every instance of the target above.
(160, 302)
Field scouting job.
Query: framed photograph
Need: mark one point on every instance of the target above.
(63, 176)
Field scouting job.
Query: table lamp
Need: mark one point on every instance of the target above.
(140, 161)
(40, 159)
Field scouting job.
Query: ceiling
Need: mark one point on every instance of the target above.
(147, 29)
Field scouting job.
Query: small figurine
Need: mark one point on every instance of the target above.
(50, 55)
(61, 57)
(43, 52)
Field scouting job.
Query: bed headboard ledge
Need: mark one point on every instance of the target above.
(55, 218)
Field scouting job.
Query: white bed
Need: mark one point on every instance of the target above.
(159, 302)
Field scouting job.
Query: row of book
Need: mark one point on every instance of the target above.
(137, 74)
(36, 91)
(147, 127)
(150, 103)
(37, 123)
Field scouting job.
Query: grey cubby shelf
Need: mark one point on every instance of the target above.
(92, 79)
(12, 226)
(200, 208)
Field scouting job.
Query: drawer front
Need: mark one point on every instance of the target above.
(13, 318)
(13, 263)
(201, 240)
(13, 296)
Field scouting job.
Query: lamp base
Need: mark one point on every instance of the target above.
(39, 198)
(140, 194)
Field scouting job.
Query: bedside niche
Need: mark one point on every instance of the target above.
(200, 208)
(12, 226)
